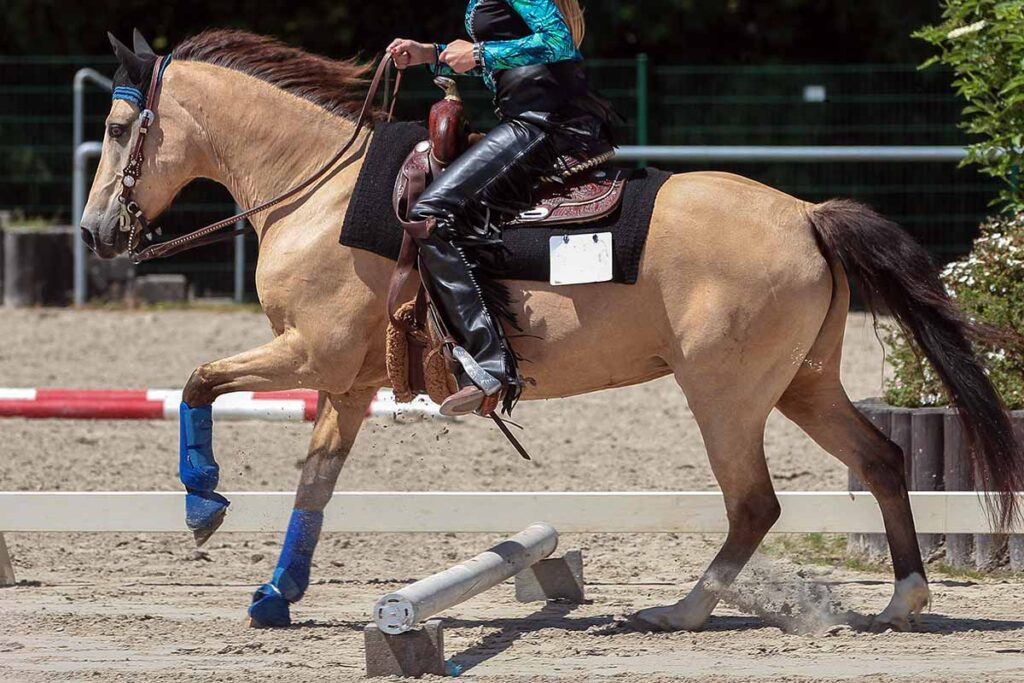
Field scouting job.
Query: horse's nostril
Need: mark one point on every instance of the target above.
(88, 238)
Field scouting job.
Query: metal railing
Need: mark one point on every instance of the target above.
(637, 153)
(789, 154)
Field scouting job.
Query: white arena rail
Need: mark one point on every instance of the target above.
(438, 512)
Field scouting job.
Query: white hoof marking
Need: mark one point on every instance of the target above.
(909, 599)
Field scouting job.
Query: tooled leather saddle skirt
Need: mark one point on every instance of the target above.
(585, 192)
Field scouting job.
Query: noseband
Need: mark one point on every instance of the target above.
(132, 219)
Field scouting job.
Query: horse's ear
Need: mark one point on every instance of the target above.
(120, 48)
(133, 65)
(142, 48)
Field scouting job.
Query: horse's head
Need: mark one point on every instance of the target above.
(168, 149)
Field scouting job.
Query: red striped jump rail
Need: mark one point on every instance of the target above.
(162, 404)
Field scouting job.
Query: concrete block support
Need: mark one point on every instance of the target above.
(411, 654)
(153, 289)
(6, 567)
(556, 578)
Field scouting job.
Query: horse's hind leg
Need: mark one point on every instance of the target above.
(338, 421)
(275, 365)
(818, 403)
(735, 447)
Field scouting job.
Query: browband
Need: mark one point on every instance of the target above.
(129, 94)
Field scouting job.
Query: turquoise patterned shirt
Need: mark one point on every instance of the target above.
(551, 41)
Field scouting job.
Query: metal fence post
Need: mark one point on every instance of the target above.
(239, 259)
(80, 165)
(641, 103)
(82, 77)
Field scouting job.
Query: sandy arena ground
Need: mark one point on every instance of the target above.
(150, 607)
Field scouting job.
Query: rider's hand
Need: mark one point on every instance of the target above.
(459, 56)
(408, 53)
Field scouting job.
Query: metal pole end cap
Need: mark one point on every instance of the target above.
(394, 614)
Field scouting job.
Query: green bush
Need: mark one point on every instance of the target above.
(988, 285)
(983, 41)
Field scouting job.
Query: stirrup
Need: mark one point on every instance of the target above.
(487, 382)
(463, 402)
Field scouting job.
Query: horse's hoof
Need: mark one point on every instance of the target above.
(201, 536)
(653, 619)
(641, 624)
(900, 625)
(269, 609)
(910, 598)
(204, 513)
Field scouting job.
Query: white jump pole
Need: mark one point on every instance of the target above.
(400, 611)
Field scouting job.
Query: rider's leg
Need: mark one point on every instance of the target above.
(461, 201)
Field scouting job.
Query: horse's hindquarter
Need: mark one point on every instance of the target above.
(731, 274)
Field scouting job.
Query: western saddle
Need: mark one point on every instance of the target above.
(418, 346)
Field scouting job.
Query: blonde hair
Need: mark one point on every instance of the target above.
(573, 15)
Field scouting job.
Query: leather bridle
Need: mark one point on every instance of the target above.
(132, 218)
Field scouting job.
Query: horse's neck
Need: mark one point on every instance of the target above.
(262, 141)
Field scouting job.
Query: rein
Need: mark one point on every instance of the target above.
(133, 218)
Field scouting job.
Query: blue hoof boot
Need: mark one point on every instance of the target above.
(204, 513)
(197, 468)
(269, 609)
(201, 478)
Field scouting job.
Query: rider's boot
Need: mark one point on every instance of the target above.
(487, 365)
(199, 472)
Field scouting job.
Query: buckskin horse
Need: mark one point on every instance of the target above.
(742, 296)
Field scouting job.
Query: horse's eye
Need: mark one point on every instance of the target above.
(117, 130)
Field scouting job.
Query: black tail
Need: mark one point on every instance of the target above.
(897, 274)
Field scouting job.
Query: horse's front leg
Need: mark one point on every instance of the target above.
(338, 421)
(276, 365)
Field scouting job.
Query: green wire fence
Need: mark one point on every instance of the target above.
(663, 104)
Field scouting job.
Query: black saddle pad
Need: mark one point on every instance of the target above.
(370, 222)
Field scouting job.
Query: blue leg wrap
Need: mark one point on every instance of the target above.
(291, 578)
(197, 468)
